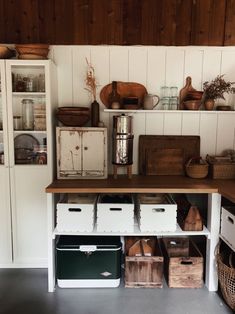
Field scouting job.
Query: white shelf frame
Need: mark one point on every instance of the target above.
(167, 111)
(137, 232)
(211, 232)
(33, 94)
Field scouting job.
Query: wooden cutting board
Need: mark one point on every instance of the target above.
(166, 154)
(125, 89)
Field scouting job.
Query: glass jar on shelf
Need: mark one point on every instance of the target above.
(27, 114)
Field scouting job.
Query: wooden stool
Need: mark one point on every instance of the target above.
(128, 168)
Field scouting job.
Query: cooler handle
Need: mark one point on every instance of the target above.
(230, 220)
(74, 209)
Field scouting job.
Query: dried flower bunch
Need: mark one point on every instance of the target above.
(90, 80)
(217, 87)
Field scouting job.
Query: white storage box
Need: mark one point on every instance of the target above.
(115, 213)
(156, 212)
(228, 224)
(76, 212)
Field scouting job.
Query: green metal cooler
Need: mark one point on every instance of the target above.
(88, 261)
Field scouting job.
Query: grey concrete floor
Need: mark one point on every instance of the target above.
(25, 291)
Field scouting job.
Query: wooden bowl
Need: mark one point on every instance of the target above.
(192, 104)
(39, 50)
(73, 116)
(194, 95)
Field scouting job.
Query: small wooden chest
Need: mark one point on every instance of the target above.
(144, 271)
(183, 270)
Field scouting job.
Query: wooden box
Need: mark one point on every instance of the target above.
(183, 271)
(143, 271)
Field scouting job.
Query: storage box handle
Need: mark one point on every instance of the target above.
(186, 262)
(230, 220)
(74, 209)
(115, 208)
(158, 210)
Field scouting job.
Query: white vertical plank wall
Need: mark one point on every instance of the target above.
(153, 67)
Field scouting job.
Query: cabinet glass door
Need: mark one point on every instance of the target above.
(1, 118)
(28, 95)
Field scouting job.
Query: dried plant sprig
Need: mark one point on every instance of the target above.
(90, 80)
(217, 87)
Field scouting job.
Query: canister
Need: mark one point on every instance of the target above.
(122, 145)
(27, 114)
(122, 124)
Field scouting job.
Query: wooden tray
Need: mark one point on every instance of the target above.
(125, 89)
(166, 154)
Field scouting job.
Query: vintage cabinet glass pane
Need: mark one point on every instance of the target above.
(29, 114)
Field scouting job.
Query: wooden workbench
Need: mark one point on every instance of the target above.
(147, 184)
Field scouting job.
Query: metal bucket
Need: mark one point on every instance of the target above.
(122, 124)
(123, 150)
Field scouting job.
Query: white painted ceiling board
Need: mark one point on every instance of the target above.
(225, 132)
(190, 123)
(138, 65)
(118, 63)
(172, 124)
(63, 60)
(175, 67)
(208, 134)
(193, 67)
(211, 64)
(100, 62)
(156, 67)
(154, 123)
(81, 96)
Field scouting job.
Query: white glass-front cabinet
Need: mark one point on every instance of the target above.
(28, 93)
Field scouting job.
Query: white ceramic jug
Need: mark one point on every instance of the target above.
(150, 101)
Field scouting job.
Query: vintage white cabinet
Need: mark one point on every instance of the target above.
(81, 152)
(26, 157)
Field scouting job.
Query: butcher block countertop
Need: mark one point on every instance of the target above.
(145, 184)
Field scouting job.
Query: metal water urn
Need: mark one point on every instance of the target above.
(122, 153)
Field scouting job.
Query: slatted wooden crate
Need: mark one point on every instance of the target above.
(183, 270)
(144, 271)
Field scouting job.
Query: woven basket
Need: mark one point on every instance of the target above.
(226, 275)
(198, 169)
(219, 170)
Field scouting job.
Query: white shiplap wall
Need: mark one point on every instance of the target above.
(152, 67)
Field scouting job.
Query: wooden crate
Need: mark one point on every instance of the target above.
(144, 271)
(176, 246)
(184, 271)
(188, 215)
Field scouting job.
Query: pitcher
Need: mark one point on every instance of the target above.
(150, 101)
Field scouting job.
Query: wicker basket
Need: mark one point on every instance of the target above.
(197, 168)
(226, 275)
(221, 169)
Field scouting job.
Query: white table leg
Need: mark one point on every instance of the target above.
(213, 224)
(51, 241)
